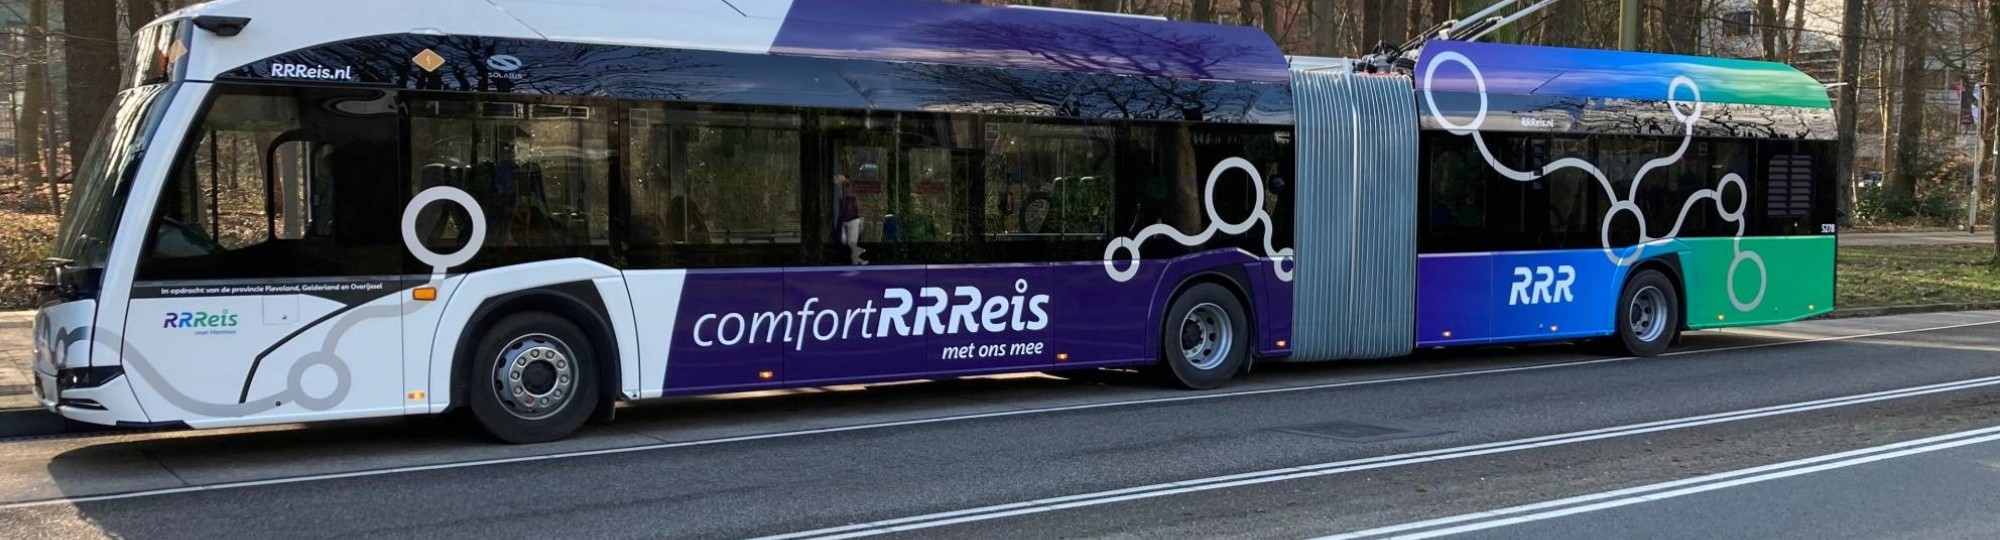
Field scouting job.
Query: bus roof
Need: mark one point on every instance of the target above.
(890, 30)
(1588, 73)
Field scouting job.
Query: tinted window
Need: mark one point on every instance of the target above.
(1049, 181)
(540, 170)
(714, 187)
(282, 183)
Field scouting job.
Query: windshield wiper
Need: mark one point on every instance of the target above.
(58, 262)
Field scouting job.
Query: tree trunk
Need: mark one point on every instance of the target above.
(1910, 124)
(1679, 30)
(1441, 11)
(1993, 130)
(1396, 29)
(1798, 30)
(1414, 17)
(50, 152)
(1270, 21)
(1107, 6)
(1848, 115)
(1777, 27)
(1371, 26)
(1326, 42)
(90, 54)
(15, 110)
(1885, 78)
(1564, 33)
(1767, 18)
(1246, 12)
(1202, 11)
(34, 98)
(138, 13)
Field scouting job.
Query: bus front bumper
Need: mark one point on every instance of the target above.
(97, 396)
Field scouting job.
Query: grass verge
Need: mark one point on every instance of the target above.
(1879, 276)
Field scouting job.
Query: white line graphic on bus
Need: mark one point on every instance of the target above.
(295, 392)
(1625, 203)
(1130, 246)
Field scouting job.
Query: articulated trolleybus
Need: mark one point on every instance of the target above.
(531, 210)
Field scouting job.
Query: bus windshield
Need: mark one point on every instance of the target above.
(84, 239)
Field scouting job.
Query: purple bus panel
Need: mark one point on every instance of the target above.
(837, 329)
(715, 342)
(948, 33)
(1273, 304)
(818, 326)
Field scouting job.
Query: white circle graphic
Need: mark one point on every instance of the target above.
(1208, 196)
(1478, 80)
(442, 262)
(1763, 280)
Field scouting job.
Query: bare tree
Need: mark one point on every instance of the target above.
(34, 97)
(1767, 12)
(1993, 79)
(1326, 41)
(140, 12)
(1850, 78)
(1910, 121)
(90, 54)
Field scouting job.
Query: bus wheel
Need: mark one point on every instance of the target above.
(1204, 339)
(533, 379)
(1649, 318)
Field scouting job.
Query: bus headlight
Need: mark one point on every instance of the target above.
(90, 377)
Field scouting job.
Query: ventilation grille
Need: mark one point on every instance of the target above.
(1788, 188)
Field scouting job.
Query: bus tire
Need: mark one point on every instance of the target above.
(533, 378)
(1649, 317)
(1204, 339)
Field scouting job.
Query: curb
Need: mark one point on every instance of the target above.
(25, 423)
(1909, 310)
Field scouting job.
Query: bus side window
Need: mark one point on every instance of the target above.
(253, 196)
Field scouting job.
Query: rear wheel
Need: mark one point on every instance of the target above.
(1649, 317)
(534, 379)
(1205, 338)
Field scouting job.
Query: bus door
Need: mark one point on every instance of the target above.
(1455, 271)
(862, 274)
(269, 285)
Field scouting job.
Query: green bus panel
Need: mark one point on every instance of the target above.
(1775, 279)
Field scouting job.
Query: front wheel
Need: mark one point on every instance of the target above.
(1205, 338)
(534, 379)
(1649, 315)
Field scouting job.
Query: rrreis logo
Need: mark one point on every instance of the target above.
(1542, 285)
(219, 323)
(302, 71)
(1543, 123)
(937, 311)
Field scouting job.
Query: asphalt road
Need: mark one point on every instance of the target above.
(1776, 432)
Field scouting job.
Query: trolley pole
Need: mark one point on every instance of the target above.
(1628, 25)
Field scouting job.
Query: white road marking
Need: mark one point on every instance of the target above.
(1667, 490)
(925, 421)
(985, 513)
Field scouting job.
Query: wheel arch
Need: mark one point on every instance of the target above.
(578, 301)
(1670, 266)
(1232, 279)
